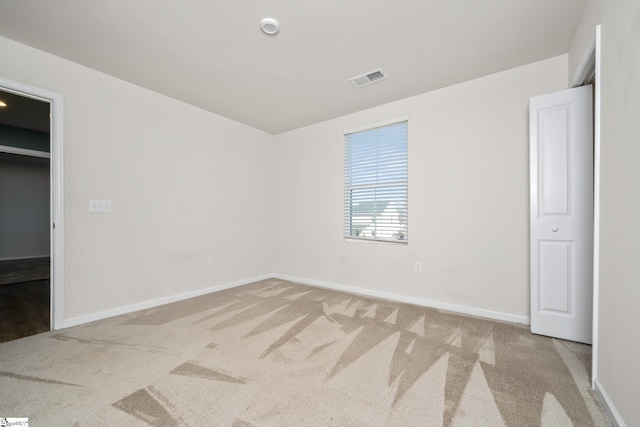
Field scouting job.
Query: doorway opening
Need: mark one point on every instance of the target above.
(588, 72)
(583, 281)
(31, 220)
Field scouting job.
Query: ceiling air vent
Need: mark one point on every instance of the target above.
(368, 78)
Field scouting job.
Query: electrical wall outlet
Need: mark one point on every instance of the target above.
(210, 261)
(417, 267)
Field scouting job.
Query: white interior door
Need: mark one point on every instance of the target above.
(561, 180)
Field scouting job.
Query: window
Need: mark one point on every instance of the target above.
(375, 183)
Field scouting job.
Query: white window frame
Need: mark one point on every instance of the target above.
(348, 228)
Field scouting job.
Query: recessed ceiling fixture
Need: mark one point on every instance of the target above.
(2, 104)
(269, 26)
(368, 78)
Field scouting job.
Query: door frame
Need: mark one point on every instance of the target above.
(590, 66)
(56, 194)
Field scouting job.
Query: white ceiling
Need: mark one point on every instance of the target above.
(211, 53)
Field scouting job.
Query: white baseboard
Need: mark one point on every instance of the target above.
(479, 312)
(608, 405)
(75, 321)
(489, 314)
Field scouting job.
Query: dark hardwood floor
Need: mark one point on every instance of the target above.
(24, 309)
(24, 270)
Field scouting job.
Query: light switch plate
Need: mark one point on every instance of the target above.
(417, 268)
(103, 206)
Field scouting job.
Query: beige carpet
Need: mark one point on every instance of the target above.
(275, 353)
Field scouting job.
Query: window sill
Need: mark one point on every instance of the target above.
(376, 242)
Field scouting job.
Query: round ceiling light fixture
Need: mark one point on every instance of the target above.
(269, 26)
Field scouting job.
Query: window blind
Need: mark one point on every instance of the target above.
(376, 183)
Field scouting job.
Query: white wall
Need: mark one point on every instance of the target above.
(24, 207)
(184, 184)
(619, 346)
(584, 35)
(468, 195)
